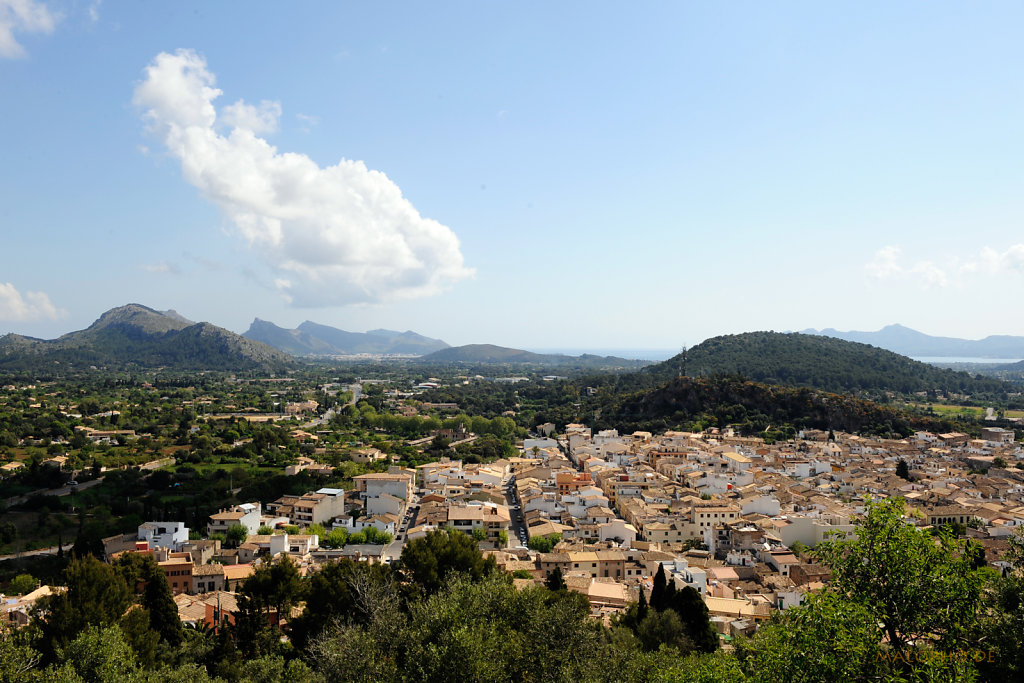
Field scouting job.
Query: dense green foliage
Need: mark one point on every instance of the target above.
(827, 363)
(904, 605)
(757, 409)
(135, 336)
(430, 560)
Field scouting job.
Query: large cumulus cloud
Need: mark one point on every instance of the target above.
(336, 235)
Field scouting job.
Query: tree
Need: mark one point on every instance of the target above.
(918, 586)
(96, 595)
(659, 590)
(263, 599)
(275, 669)
(163, 612)
(544, 544)
(23, 583)
(555, 581)
(902, 469)
(663, 628)
(1003, 629)
(265, 530)
(140, 571)
(99, 654)
(236, 534)
(8, 532)
(471, 630)
(693, 613)
(428, 561)
(833, 638)
(336, 538)
(344, 591)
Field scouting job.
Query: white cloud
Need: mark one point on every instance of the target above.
(160, 267)
(307, 122)
(259, 120)
(887, 265)
(928, 275)
(31, 306)
(22, 16)
(94, 10)
(336, 235)
(992, 261)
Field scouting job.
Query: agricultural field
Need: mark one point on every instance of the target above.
(953, 410)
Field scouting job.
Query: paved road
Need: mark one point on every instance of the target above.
(157, 464)
(63, 491)
(66, 490)
(41, 551)
(518, 527)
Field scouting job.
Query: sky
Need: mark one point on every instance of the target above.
(587, 175)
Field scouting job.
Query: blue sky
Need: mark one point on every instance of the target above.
(584, 175)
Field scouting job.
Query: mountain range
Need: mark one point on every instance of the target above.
(313, 339)
(908, 342)
(136, 336)
(491, 354)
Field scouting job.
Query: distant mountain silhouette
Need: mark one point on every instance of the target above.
(491, 354)
(908, 342)
(135, 336)
(313, 339)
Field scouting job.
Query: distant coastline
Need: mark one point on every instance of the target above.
(631, 353)
(967, 359)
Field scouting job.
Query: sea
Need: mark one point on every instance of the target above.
(966, 359)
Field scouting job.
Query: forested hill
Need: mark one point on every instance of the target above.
(136, 336)
(756, 409)
(822, 362)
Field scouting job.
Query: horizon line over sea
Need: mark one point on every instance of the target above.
(966, 359)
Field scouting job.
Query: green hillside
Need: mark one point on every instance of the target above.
(135, 336)
(754, 408)
(822, 362)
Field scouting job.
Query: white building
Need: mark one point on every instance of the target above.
(169, 535)
(246, 514)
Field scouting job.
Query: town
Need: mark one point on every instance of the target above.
(730, 516)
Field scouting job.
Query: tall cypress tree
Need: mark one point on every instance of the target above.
(902, 469)
(163, 612)
(555, 581)
(692, 611)
(658, 592)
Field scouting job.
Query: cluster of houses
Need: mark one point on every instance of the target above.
(729, 516)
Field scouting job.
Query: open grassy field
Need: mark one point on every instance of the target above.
(952, 410)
